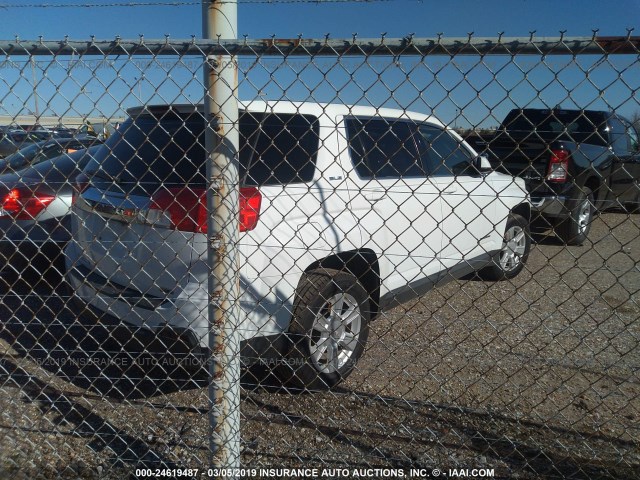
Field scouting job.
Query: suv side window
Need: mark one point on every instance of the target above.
(619, 139)
(632, 136)
(442, 154)
(277, 149)
(383, 148)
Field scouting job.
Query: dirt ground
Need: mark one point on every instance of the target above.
(538, 377)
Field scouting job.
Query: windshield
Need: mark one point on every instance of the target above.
(61, 169)
(24, 153)
(22, 157)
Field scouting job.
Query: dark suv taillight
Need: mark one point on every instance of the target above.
(24, 204)
(558, 166)
(187, 208)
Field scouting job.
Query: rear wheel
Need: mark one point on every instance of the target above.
(574, 229)
(634, 206)
(31, 267)
(328, 331)
(513, 255)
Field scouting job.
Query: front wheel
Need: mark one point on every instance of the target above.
(511, 258)
(328, 331)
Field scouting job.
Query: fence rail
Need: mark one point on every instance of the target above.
(438, 246)
(410, 45)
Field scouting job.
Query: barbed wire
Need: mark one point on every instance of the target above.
(170, 4)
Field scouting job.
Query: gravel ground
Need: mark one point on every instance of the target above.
(535, 378)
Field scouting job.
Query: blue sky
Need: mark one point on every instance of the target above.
(397, 18)
(463, 91)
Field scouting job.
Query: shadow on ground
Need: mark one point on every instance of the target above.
(397, 433)
(99, 354)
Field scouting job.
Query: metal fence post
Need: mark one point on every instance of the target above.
(219, 19)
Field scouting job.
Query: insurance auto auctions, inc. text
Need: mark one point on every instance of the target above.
(333, 473)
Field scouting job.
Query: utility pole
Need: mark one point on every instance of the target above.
(35, 90)
(219, 20)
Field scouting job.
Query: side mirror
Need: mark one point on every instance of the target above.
(482, 164)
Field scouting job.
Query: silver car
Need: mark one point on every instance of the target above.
(34, 209)
(43, 151)
(14, 140)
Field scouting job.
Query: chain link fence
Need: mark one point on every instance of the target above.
(437, 258)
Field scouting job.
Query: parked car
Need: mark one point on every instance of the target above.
(14, 140)
(87, 128)
(4, 129)
(42, 151)
(344, 211)
(34, 208)
(62, 131)
(574, 163)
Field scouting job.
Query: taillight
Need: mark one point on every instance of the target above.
(250, 203)
(187, 208)
(558, 166)
(24, 205)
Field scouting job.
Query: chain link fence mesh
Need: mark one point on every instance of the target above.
(407, 308)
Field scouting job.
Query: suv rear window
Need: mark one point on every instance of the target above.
(147, 152)
(573, 125)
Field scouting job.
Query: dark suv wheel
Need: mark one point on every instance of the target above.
(574, 229)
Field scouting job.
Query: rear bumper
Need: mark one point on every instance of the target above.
(183, 309)
(550, 206)
(186, 348)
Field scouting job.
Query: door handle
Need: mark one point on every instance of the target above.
(451, 189)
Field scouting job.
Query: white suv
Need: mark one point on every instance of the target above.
(344, 211)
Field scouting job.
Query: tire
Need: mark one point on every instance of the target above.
(313, 363)
(31, 267)
(634, 207)
(574, 229)
(511, 258)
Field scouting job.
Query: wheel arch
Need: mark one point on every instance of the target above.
(362, 264)
(594, 184)
(523, 209)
